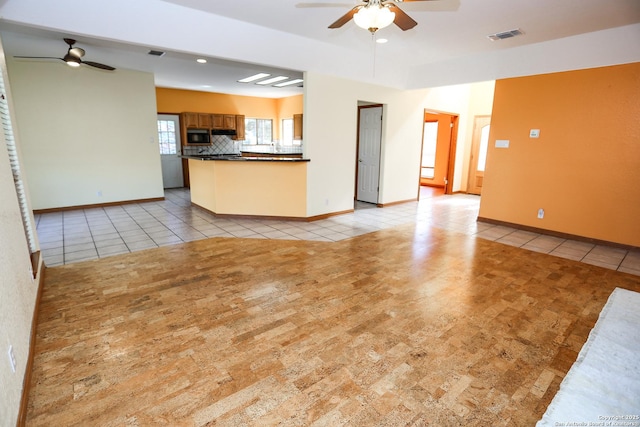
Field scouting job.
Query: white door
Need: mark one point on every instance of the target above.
(169, 140)
(479, 144)
(370, 137)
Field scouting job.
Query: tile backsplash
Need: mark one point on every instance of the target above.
(223, 144)
(220, 144)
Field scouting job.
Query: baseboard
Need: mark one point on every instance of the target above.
(240, 216)
(328, 215)
(26, 383)
(559, 234)
(399, 202)
(97, 205)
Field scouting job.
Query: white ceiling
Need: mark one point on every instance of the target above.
(287, 37)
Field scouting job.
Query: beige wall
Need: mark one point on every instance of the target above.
(17, 290)
(85, 131)
(330, 108)
(584, 169)
(231, 187)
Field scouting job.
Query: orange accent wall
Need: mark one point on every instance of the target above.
(286, 108)
(178, 101)
(584, 169)
(442, 148)
(289, 106)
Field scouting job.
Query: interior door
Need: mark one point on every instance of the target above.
(369, 142)
(170, 150)
(480, 142)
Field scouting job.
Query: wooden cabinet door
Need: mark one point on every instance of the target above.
(297, 126)
(229, 121)
(239, 128)
(204, 121)
(190, 120)
(217, 121)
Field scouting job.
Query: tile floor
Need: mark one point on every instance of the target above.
(84, 234)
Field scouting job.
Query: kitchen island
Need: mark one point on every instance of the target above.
(249, 186)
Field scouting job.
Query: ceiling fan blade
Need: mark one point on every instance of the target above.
(402, 20)
(38, 57)
(98, 65)
(345, 18)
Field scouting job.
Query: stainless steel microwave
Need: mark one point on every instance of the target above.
(198, 136)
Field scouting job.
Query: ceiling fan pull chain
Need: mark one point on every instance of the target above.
(373, 39)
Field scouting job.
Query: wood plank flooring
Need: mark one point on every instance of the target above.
(406, 326)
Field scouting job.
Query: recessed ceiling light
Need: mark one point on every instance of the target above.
(289, 83)
(254, 78)
(201, 61)
(272, 80)
(381, 41)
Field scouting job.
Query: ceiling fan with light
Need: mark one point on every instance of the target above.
(373, 15)
(73, 58)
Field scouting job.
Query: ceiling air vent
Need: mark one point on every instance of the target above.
(505, 35)
(156, 52)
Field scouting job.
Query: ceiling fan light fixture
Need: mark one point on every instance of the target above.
(71, 60)
(373, 17)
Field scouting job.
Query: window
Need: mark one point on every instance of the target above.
(484, 143)
(167, 136)
(287, 131)
(429, 143)
(14, 161)
(258, 131)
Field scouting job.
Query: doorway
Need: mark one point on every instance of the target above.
(368, 153)
(170, 150)
(439, 141)
(477, 162)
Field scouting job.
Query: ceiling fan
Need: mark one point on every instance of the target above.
(73, 58)
(375, 14)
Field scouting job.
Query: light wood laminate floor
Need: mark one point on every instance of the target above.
(410, 325)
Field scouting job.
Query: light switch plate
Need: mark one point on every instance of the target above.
(502, 143)
(534, 133)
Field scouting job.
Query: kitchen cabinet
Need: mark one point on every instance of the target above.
(217, 121)
(239, 128)
(196, 120)
(297, 126)
(223, 121)
(229, 121)
(190, 120)
(204, 121)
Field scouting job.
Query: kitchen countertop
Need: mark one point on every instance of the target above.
(237, 158)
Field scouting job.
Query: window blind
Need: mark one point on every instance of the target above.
(7, 129)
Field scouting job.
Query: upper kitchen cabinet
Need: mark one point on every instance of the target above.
(297, 126)
(204, 121)
(217, 121)
(223, 121)
(229, 121)
(196, 120)
(239, 128)
(190, 120)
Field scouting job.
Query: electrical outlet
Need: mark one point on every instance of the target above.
(540, 213)
(99, 193)
(12, 359)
